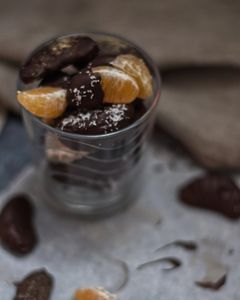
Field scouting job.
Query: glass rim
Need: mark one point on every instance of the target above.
(135, 124)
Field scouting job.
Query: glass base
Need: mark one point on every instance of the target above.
(89, 202)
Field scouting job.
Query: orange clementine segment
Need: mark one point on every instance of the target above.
(44, 102)
(118, 87)
(93, 294)
(135, 67)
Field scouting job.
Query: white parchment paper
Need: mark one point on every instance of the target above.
(82, 253)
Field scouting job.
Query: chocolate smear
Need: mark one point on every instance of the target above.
(17, 232)
(187, 245)
(36, 286)
(214, 192)
(171, 262)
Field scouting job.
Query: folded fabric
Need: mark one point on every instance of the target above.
(173, 32)
(201, 108)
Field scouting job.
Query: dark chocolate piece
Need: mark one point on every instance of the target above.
(140, 108)
(173, 263)
(115, 47)
(57, 55)
(36, 286)
(213, 285)
(85, 91)
(99, 60)
(17, 232)
(214, 192)
(187, 245)
(108, 119)
(102, 60)
(58, 79)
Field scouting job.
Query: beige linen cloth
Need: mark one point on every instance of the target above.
(195, 43)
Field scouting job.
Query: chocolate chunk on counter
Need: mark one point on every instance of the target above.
(57, 79)
(213, 192)
(108, 119)
(36, 286)
(85, 91)
(57, 55)
(17, 232)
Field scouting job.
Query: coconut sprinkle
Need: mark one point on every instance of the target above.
(85, 92)
(108, 119)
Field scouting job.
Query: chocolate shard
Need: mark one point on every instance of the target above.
(213, 192)
(171, 262)
(126, 273)
(36, 286)
(17, 231)
(212, 284)
(84, 91)
(57, 55)
(187, 245)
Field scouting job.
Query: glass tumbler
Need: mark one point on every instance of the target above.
(93, 174)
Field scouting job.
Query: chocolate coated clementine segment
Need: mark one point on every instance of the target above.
(118, 87)
(135, 67)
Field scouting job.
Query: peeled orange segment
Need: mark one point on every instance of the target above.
(135, 67)
(44, 102)
(93, 294)
(118, 87)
